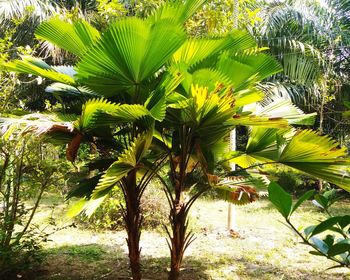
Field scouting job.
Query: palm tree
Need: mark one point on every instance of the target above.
(310, 40)
(125, 64)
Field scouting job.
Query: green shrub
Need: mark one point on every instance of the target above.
(27, 170)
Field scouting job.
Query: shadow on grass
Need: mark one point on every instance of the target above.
(95, 261)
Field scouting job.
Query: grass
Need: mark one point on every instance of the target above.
(266, 248)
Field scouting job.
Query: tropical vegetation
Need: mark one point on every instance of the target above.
(143, 94)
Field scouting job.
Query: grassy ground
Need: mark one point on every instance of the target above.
(266, 249)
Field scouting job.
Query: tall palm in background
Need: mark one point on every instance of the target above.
(310, 39)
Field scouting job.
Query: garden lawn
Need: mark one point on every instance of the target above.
(264, 249)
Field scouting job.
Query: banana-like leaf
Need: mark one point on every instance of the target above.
(129, 52)
(37, 67)
(76, 38)
(127, 162)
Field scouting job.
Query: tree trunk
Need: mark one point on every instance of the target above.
(178, 239)
(133, 220)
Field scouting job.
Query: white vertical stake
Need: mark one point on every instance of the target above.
(231, 215)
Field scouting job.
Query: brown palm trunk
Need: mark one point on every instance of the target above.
(133, 219)
(178, 239)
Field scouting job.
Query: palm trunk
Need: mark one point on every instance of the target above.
(177, 249)
(179, 238)
(133, 219)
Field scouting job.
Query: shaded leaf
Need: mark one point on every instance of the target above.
(338, 249)
(281, 199)
(325, 225)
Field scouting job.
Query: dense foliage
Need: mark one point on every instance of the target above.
(146, 92)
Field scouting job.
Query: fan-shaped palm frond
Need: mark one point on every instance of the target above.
(278, 107)
(125, 163)
(129, 52)
(101, 113)
(178, 11)
(196, 50)
(240, 190)
(35, 66)
(305, 151)
(76, 38)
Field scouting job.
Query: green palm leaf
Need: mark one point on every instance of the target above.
(35, 66)
(206, 78)
(247, 69)
(247, 96)
(92, 109)
(156, 103)
(305, 151)
(178, 11)
(102, 113)
(308, 146)
(126, 162)
(278, 107)
(196, 50)
(261, 121)
(76, 38)
(130, 51)
(64, 90)
(301, 69)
